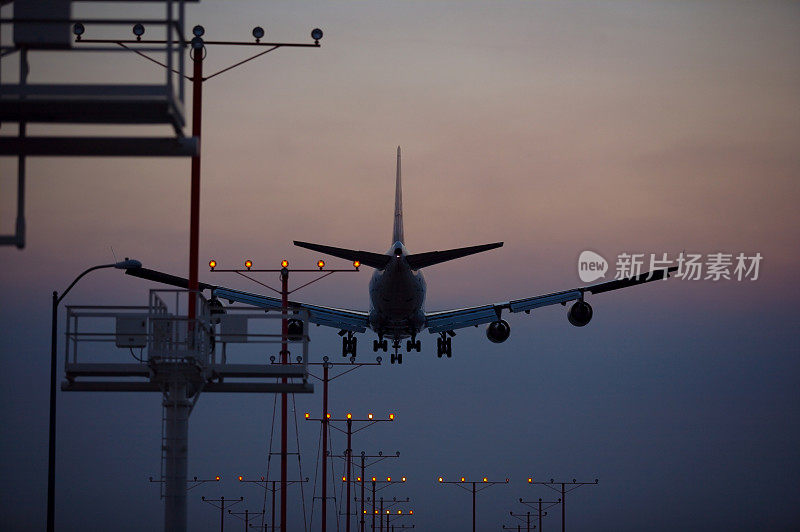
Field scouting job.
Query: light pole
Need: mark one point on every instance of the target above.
(51, 457)
(541, 513)
(222, 506)
(575, 485)
(484, 483)
(371, 420)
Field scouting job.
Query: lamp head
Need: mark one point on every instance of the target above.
(127, 264)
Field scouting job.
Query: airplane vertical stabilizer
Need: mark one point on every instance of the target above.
(397, 234)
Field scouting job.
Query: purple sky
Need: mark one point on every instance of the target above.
(639, 127)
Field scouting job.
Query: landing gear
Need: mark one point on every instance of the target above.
(397, 355)
(349, 344)
(380, 344)
(414, 345)
(444, 346)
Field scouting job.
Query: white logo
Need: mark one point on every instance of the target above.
(591, 266)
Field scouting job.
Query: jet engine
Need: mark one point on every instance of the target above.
(580, 313)
(498, 331)
(295, 329)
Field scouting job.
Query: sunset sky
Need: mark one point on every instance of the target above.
(557, 127)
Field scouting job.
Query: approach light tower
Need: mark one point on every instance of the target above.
(574, 485)
(484, 483)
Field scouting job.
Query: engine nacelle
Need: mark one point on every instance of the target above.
(498, 331)
(580, 313)
(295, 329)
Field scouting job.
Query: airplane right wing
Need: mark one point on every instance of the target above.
(449, 320)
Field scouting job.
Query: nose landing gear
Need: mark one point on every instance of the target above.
(397, 355)
(349, 344)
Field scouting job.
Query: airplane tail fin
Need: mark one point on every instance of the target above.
(421, 260)
(367, 258)
(397, 233)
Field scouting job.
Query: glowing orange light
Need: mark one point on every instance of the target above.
(241, 478)
(358, 479)
(212, 264)
(411, 512)
(248, 264)
(320, 264)
(399, 512)
(284, 263)
(374, 479)
(391, 417)
(387, 512)
(365, 511)
(308, 415)
(349, 415)
(217, 477)
(463, 479)
(403, 479)
(388, 479)
(485, 479)
(369, 416)
(328, 415)
(356, 263)
(344, 479)
(441, 479)
(376, 511)
(530, 480)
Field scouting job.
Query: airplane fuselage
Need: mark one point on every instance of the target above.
(397, 297)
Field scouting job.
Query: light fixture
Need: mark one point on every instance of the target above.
(248, 264)
(197, 43)
(284, 263)
(320, 264)
(78, 29)
(198, 30)
(212, 264)
(316, 34)
(258, 33)
(138, 30)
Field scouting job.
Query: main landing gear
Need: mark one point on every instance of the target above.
(413, 344)
(381, 344)
(444, 345)
(349, 343)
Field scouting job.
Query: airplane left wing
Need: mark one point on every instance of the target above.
(348, 320)
(449, 320)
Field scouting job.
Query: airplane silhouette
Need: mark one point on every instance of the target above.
(397, 296)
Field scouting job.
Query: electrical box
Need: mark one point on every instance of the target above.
(42, 34)
(131, 331)
(233, 329)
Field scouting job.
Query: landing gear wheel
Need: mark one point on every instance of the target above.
(385, 345)
(448, 347)
(376, 345)
(349, 345)
(399, 358)
(418, 346)
(439, 349)
(409, 346)
(392, 358)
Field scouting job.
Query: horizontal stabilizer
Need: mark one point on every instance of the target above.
(166, 278)
(367, 258)
(421, 260)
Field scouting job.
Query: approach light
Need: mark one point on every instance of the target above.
(356, 264)
(388, 479)
(391, 417)
(241, 478)
(358, 479)
(387, 512)
(403, 479)
(78, 29)
(374, 479)
(284, 263)
(411, 512)
(248, 264)
(138, 30)
(328, 415)
(530, 480)
(463, 479)
(308, 415)
(197, 43)
(212, 264)
(258, 32)
(365, 512)
(198, 31)
(441, 479)
(316, 34)
(217, 478)
(399, 512)
(320, 264)
(485, 479)
(349, 415)
(369, 416)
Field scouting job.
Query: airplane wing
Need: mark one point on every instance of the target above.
(449, 320)
(344, 319)
(348, 320)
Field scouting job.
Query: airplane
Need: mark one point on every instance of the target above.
(397, 296)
